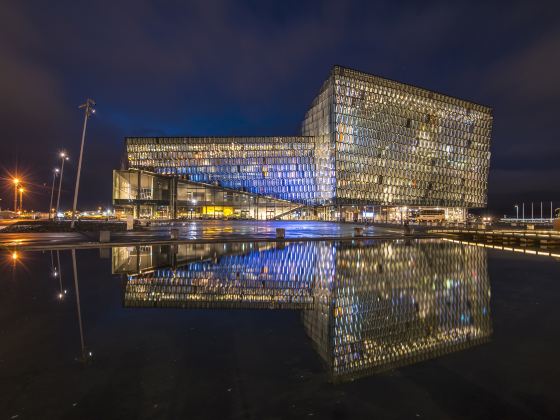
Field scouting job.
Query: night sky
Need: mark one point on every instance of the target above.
(253, 68)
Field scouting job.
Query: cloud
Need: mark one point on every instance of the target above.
(220, 67)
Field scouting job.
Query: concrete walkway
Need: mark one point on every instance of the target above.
(201, 232)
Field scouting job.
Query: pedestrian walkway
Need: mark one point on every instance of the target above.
(202, 232)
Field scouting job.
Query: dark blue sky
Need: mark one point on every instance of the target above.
(221, 68)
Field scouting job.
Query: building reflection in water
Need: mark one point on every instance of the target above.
(218, 276)
(368, 306)
(393, 303)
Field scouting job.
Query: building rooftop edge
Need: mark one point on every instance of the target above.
(335, 66)
(215, 137)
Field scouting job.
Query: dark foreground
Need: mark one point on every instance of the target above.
(156, 362)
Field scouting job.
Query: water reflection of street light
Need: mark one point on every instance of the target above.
(56, 270)
(86, 355)
(63, 157)
(62, 293)
(53, 268)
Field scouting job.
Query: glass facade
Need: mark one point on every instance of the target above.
(147, 195)
(367, 305)
(281, 167)
(365, 141)
(388, 143)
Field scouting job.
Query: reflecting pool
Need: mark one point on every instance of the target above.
(335, 329)
(367, 306)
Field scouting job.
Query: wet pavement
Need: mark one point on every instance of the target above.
(209, 230)
(352, 329)
(267, 229)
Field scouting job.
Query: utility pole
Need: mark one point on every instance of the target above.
(16, 184)
(55, 171)
(63, 157)
(21, 190)
(89, 109)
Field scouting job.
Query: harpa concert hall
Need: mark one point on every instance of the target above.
(370, 149)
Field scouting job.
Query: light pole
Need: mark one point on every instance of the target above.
(517, 211)
(63, 157)
(21, 190)
(55, 172)
(523, 212)
(88, 110)
(16, 185)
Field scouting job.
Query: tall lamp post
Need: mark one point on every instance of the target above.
(16, 185)
(21, 191)
(89, 109)
(55, 173)
(517, 211)
(63, 157)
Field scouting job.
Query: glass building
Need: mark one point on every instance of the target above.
(367, 305)
(370, 147)
(153, 196)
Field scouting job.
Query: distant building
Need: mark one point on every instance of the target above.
(370, 148)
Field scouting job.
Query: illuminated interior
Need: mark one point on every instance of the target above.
(366, 141)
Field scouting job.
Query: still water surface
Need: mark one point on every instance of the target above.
(390, 329)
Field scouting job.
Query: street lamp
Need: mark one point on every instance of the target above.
(517, 211)
(63, 157)
(88, 111)
(55, 173)
(21, 191)
(16, 184)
